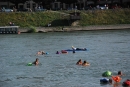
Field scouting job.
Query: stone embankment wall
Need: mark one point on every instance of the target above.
(92, 27)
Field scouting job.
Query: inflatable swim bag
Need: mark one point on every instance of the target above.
(104, 80)
(107, 74)
(116, 78)
(29, 64)
(47, 53)
(126, 83)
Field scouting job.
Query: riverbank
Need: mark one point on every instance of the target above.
(65, 18)
(80, 28)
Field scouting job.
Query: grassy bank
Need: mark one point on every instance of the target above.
(61, 18)
(106, 17)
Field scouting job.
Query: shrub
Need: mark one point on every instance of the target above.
(32, 30)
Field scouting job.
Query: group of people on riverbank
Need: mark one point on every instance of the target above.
(11, 24)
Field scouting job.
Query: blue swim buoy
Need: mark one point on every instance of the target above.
(47, 53)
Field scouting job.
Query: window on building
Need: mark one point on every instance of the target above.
(28, 5)
(20, 6)
(3, 6)
(12, 6)
(34, 5)
(61, 5)
(56, 6)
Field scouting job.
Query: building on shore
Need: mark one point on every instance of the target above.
(56, 5)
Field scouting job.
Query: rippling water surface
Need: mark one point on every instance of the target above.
(107, 50)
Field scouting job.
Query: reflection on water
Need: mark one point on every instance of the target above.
(107, 50)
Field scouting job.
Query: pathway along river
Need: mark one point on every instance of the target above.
(107, 50)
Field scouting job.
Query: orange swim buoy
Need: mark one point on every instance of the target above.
(116, 78)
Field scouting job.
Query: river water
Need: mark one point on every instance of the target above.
(107, 50)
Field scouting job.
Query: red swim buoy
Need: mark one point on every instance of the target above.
(126, 83)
